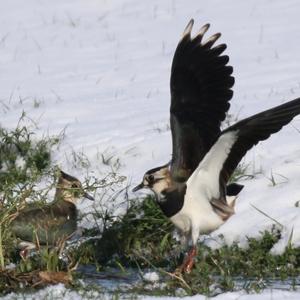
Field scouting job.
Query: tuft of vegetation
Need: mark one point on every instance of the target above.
(23, 162)
(22, 158)
(142, 232)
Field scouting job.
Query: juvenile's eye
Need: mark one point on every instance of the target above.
(74, 186)
(150, 178)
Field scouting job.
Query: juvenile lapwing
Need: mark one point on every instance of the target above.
(191, 190)
(49, 224)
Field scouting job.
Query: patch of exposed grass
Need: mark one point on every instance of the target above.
(142, 232)
(221, 268)
(231, 268)
(143, 238)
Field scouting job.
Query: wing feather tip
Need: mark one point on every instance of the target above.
(203, 30)
(210, 41)
(188, 28)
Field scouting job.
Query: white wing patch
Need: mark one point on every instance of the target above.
(205, 179)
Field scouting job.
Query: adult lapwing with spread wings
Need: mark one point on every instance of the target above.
(192, 189)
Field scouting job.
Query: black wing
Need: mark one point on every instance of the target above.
(254, 129)
(201, 84)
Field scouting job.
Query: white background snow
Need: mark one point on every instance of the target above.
(100, 70)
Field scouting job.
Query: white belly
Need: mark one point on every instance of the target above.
(196, 216)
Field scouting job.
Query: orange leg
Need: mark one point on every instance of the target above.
(188, 262)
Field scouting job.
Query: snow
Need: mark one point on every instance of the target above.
(98, 70)
(151, 276)
(59, 291)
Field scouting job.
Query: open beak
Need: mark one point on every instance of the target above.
(88, 196)
(138, 187)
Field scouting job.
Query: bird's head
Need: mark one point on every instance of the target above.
(70, 189)
(157, 180)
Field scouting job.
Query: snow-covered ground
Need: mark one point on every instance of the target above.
(100, 70)
(59, 292)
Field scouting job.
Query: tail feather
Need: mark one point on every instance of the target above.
(233, 189)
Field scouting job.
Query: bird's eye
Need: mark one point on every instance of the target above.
(150, 178)
(74, 186)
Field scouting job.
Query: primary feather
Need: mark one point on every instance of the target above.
(200, 84)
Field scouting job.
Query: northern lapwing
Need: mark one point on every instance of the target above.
(51, 223)
(191, 190)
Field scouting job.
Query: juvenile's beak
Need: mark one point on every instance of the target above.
(138, 187)
(88, 196)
